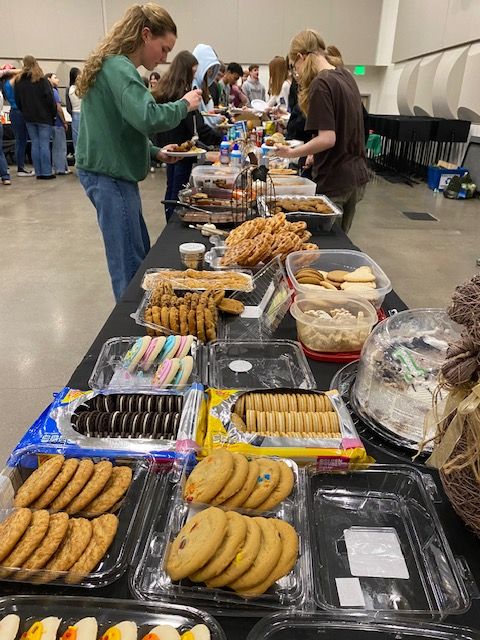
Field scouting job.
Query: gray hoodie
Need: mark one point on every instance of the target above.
(208, 65)
(254, 90)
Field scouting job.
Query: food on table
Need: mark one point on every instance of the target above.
(9, 627)
(45, 629)
(232, 480)
(186, 147)
(126, 630)
(336, 330)
(82, 489)
(84, 629)
(282, 415)
(361, 279)
(39, 481)
(261, 239)
(276, 140)
(167, 632)
(129, 416)
(199, 280)
(226, 549)
(283, 172)
(303, 205)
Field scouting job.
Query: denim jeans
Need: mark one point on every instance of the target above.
(40, 135)
(20, 132)
(178, 175)
(59, 150)
(75, 127)
(119, 214)
(4, 175)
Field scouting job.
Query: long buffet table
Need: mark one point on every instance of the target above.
(165, 254)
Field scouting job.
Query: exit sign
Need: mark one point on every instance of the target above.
(359, 70)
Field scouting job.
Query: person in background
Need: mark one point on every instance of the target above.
(34, 98)
(252, 87)
(215, 86)
(59, 144)
(171, 86)
(205, 79)
(331, 101)
(278, 83)
(4, 171)
(153, 79)
(19, 127)
(74, 104)
(230, 78)
(244, 77)
(118, 115)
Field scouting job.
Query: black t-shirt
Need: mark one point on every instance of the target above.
(335, 105)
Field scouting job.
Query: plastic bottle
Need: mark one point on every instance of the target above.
(236, 157)
(225, 151)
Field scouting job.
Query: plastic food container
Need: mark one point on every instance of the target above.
(110, 374)
(107, 612)
(398, 372)
(293, 186)
(150, 581)
(152, 276)
(339, 259)
(332, 324)
(213, 176)
(257, 365)
(316, 222)
(129, 511)
(297, 626)
(378, 547)
(177, 414)
(192, 255)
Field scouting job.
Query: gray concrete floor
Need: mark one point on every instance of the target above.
(56, 290)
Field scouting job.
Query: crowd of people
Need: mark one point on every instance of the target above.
(121, 122)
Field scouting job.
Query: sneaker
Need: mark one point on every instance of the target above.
(25, 173)
(152, 169)
(50, 177)
(6, 181)
(64, 173)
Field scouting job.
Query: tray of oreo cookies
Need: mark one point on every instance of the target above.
(233, 536)
(69, 518)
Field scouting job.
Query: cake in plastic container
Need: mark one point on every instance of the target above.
(398, 371)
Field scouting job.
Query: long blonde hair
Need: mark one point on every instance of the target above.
(278, 70)
(125, 37)
(309, 43)
(30, 69)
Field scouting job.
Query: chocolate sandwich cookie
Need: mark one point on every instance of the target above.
(151, 404)
(176, 424)
(114, 422)
(160, 403)
(135, 428)
(79, 422)
(142, 403)
(156, 426)
(109, 403)
(145, 425)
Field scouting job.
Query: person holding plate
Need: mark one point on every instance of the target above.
(118, 116)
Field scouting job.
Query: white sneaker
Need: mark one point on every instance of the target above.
(25, 173)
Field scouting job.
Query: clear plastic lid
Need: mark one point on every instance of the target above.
(295, 626)
(377, 545)
(108, 612)
(323, 221)
(339, 260)
(257, 365)
(397, 374)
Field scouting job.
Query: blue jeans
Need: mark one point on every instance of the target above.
(20, 131)
(59, 150)
(178, 175)
(40, 135)
(4, 175)
(75, 127)
(119, 214)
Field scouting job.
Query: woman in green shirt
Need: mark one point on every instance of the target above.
(118, 116)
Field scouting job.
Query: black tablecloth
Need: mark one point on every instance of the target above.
(165, 254)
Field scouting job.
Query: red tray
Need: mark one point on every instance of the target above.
(340, 357)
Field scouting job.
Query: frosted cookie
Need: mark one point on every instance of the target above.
(154, 348)
(135, 353)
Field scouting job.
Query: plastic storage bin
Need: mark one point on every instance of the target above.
(319, 331)
(293, 186)
(438, 178)
(107, 612)
(297, 626)
(214, 176)
(377, 545)
(339, 259)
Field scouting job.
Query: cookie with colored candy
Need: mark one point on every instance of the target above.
(209, 476)
(236, 480)
(135, 353)
(243, 560)
(45, 629)
(242, 494)
(125, 630)
(281, 491)
(267, 480)
(231, 544)
(196, 543)
(39, 481)
(150, 355)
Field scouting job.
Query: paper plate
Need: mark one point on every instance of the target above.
(184, 154)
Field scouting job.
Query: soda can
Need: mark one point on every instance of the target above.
(270, 127)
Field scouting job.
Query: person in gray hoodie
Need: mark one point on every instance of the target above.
(205, 76)
(252, 87)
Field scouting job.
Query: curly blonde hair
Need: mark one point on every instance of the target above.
(309, 43)
(125, 37)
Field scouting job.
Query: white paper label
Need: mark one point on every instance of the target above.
(350, 592)
(240, 366)
(375, 553)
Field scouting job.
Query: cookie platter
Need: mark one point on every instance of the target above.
(318, 211)
(71, 519)
(122, 619)
(235, 547)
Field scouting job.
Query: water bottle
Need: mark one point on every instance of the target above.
(236, 157)
(224, 151)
